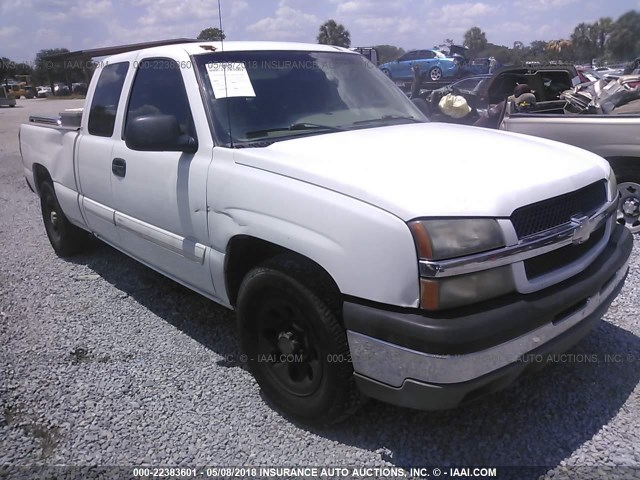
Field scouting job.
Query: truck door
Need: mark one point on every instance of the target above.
(93, 152)
(160, 196)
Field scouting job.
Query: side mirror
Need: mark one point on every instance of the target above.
(158, 133)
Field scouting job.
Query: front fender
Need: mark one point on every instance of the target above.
(368, 252)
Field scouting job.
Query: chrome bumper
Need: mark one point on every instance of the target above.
(393, 364)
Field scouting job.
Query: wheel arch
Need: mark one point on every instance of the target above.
(40, 175)
(245, 252)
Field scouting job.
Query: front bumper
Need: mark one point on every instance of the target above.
(408, 359)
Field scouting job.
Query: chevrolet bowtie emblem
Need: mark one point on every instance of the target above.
(583, 230)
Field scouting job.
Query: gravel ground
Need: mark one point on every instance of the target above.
(105, 362)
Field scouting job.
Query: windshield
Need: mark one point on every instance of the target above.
(266, 96)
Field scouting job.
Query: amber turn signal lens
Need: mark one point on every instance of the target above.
(429, 294)
(422, 240)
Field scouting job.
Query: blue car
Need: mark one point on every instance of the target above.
(434, 66)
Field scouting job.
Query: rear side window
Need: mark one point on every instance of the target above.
(158, 89)
(102, 115)
(425, 55)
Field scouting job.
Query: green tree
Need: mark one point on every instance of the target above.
(211, 34)
(46, 71)
(624, 40)
(9, 69)
(475, 39)
(387, 53)
(332, 33)
(537, 47)
(585, 41)
(604, 27)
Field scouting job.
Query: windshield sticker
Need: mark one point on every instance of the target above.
(236, 84)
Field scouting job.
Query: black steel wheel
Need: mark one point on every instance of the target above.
(65, 238)
(296, 347)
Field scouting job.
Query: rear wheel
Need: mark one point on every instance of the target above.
(296, 347)
(66, 239)
(435, 74)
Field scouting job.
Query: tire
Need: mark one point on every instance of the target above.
(66, 239)
(628, 178)
(435, 74)
(296, 347)
(629, 207)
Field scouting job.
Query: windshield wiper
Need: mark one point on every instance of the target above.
(385, 118)
(292, 128)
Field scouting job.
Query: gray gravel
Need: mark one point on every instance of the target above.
(105, 362)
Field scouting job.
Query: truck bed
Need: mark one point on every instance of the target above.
(608, 135)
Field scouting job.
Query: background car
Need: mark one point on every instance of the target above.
(79, 88)
(60, 88)
(471, 85)
(43, 91)
(434, 66)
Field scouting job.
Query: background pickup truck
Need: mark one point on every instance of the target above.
(289, 182)
(612, 136)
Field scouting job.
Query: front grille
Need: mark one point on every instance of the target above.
(537, 266)
(555, 211)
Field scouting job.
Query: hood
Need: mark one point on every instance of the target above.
(431, 169)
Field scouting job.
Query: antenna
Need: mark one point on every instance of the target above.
(224, 70)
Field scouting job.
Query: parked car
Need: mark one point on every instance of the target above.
(43, 91)
(433, 64)
(60, 89)
(548, 82)
(412, 290)
(79, 88)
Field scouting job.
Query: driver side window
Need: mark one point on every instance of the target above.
(158, 89)
(425, 55)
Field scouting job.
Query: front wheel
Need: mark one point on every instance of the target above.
(629, 207)
(66, 239)
(296, 347)
(435, 74)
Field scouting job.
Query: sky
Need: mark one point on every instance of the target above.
(27, 26)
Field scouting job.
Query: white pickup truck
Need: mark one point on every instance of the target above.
(365, 250)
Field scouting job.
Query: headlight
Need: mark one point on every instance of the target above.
(444, 239)
(465, 289)
(440, 239)
(612, 186)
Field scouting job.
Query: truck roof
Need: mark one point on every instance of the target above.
(180, 46)
(198, 48)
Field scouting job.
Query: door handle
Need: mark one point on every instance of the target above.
(119, 167)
